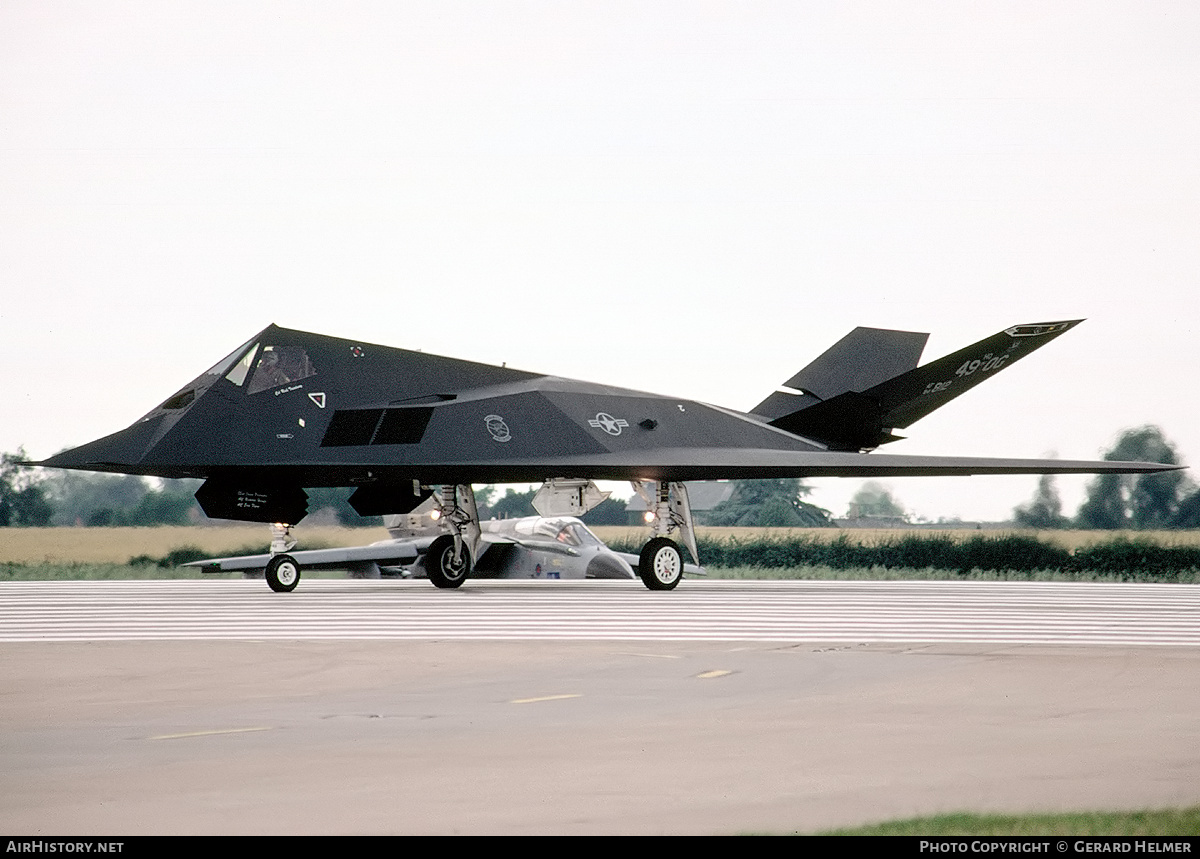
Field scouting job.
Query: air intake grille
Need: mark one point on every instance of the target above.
(350, 427)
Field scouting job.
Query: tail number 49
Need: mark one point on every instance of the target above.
(983, 365)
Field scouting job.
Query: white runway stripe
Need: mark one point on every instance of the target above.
(840, 612)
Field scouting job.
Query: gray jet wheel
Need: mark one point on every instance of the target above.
(283, 574)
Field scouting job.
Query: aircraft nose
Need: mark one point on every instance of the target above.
(124, 448)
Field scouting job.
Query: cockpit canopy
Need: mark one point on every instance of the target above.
(264, 366)
(277, 365)
(565, 530)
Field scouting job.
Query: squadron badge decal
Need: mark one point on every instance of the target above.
(497, 428)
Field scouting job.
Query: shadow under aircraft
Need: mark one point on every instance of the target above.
(290, 410)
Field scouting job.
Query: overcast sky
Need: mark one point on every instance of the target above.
(693, 198)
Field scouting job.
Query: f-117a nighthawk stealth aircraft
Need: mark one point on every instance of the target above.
(289, 410)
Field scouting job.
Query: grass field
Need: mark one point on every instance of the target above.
(1066, 539)
(118, 545)
(1176, 821)
(55, 551)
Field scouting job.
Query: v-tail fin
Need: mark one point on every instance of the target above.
(862, 359)
(861, 416)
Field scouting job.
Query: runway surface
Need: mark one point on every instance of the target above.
(515, 708)
(991, 612)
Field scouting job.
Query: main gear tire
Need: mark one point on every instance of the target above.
(660, 565)
(444, 571)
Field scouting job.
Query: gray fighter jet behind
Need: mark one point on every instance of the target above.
(289, 410)
(530, 547)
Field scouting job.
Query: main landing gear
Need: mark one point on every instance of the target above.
(451, 557)
(660, 565)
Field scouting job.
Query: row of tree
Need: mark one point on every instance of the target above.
(1113, 501)
(22, 499)
(36, 499)
(1144, 501)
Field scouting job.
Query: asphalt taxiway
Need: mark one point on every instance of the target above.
(443, 735)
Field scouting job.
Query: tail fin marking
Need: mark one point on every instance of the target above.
(858, 418)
